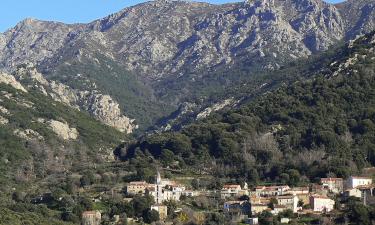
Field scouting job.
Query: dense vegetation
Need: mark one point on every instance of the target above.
(310, 129)
(152, 101)
(242, 81)
(31, 165)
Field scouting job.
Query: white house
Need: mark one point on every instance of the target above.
(289, 201)
(321, 203)
(230, 190)
(299, 191)
(264, 191)
(354, 182)
(190, 193)
(278, 209)
(354, 192)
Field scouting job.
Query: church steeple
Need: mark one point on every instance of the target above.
(158, 177)
(159, 189)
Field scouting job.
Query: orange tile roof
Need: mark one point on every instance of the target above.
(89, 213)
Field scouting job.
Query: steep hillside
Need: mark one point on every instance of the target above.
(41, 137)
(44, 140)
(150, 57)
(359, 16)
(312, 128)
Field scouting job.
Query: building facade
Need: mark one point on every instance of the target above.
(354, 182)
(162, 210)
(265, 191)
(334, 185)
(138, 187)
(230, 190)
(237, 207)
(91, 218)
(289, 201)
(258, 208)
(321, 203)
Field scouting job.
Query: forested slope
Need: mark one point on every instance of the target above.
(298, 132)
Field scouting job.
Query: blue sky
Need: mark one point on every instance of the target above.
(68, 11)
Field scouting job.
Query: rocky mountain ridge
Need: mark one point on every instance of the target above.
(162, 42)
(161, 38)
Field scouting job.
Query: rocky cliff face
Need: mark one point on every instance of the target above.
(10, 80)
(98, 105)
(359, 16)
(32, 41)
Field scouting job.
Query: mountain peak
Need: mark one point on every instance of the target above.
(27, 22)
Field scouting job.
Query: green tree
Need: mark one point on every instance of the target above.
(358, 213)
(195, 184)
(87, 178)
(150, 216)
(294, 177)
(167, 157)
(141, 203)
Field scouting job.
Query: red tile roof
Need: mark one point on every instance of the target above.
(231, 186)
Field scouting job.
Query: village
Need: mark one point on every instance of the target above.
(243, 204)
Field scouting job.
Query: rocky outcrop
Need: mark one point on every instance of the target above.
(9, 79)
(63, 130)
(104, 108)
(3, 120)
(28, 134)
(32, 41)
(98, 105)
(216, 107)
(4, 111)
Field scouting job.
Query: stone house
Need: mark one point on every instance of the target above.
(334, 185)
